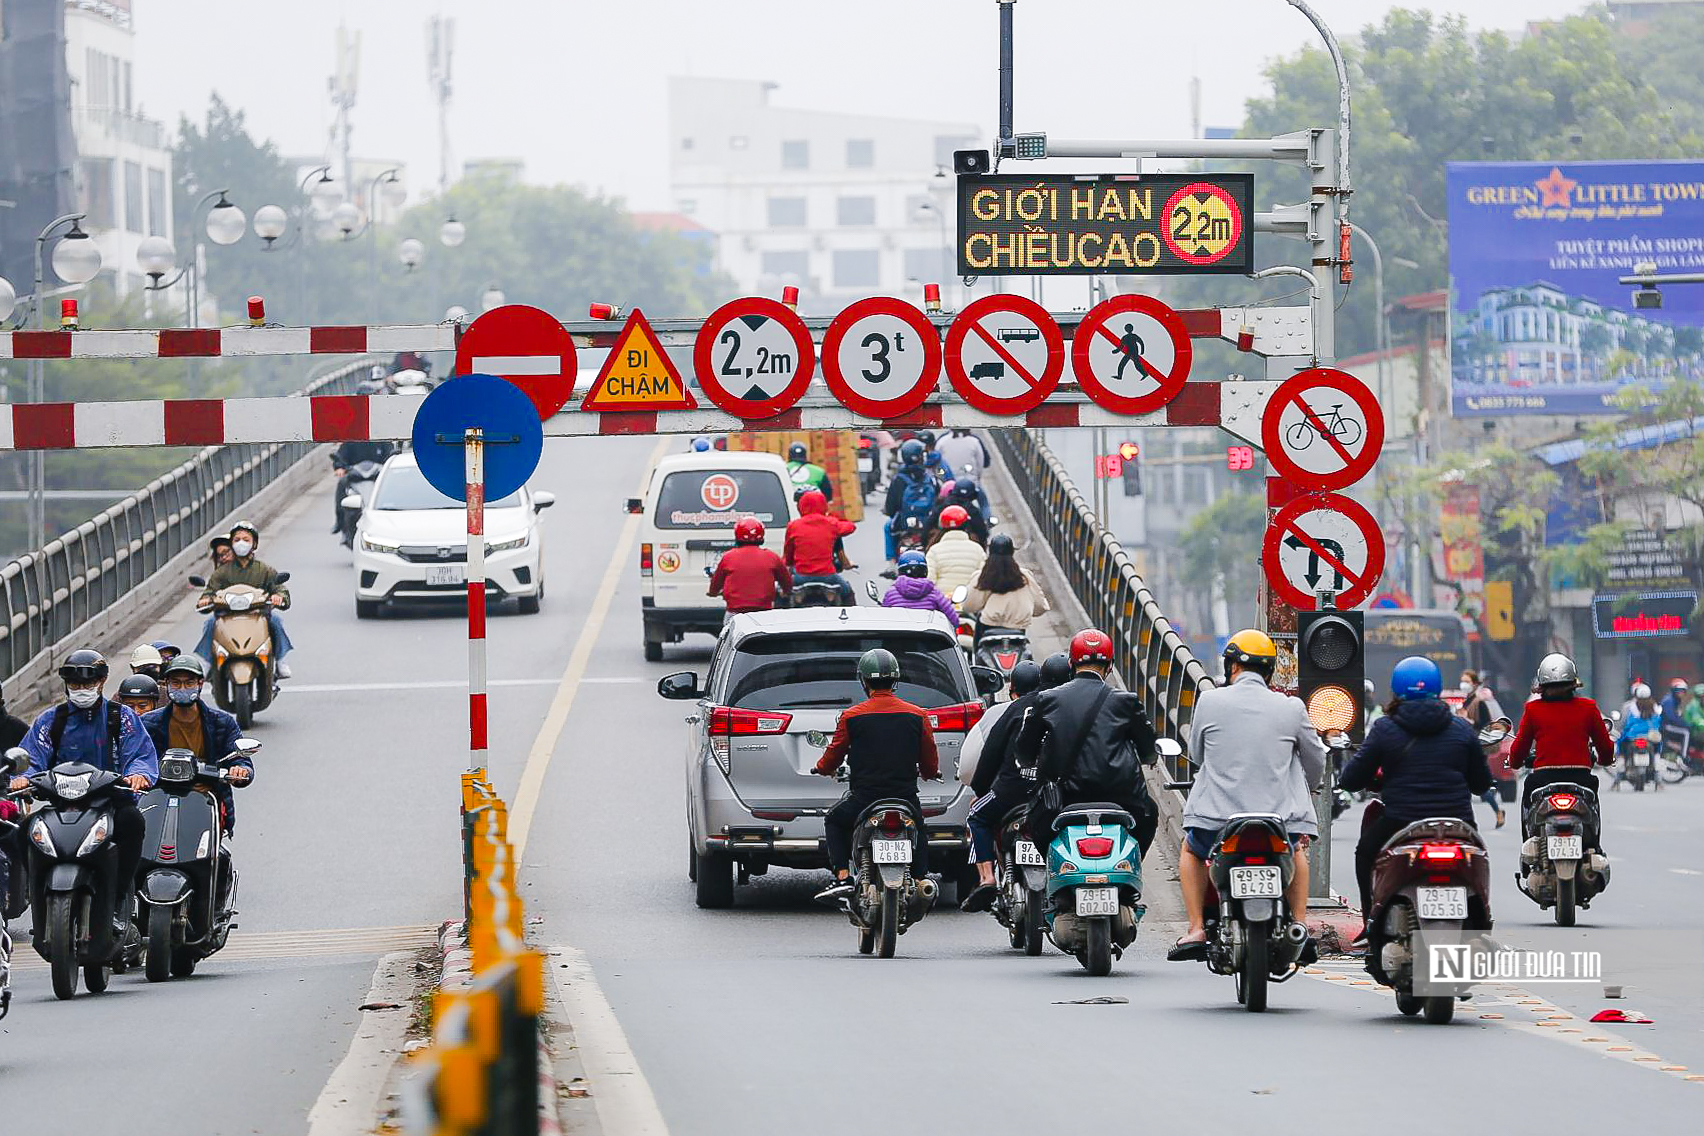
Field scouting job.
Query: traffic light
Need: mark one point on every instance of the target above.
(1132, 455)
(1331, 668)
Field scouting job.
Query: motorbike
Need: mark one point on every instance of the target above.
(186, 888)
(1021, 902)
(1094, 884)
(14, 881)
(888, 900)
(1000, 648)
(358, 485)
(75, 893)
(1560, 865)
(869, 467)
(244, 678)
(1639, 757)
(816, 593)
(1251, 934)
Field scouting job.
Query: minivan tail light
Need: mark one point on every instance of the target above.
(644, 559)
(1094, 847)
(957, 719)
(730, 721)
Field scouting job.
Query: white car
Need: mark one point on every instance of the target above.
(411, 544)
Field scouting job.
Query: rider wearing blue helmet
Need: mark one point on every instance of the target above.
(1428, 757)
(911, 494)
(701, 445)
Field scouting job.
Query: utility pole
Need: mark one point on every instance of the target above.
(440, 49)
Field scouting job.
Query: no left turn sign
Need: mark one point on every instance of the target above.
(881, 357)
(1131, 354)
(1322, 429)
(1320, 541)
(753, 357)
(1004, 354)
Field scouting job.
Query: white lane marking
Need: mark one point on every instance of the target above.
(517, 364)
(623, 1098)
(538, 759)
(1686, 871)
(349, 1102)
(445, 684)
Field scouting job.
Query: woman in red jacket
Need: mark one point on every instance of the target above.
(1560, 733)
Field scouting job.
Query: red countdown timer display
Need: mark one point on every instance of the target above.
(1239, 458)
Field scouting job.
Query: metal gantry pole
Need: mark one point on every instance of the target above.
(474, 451)
(1006, 7)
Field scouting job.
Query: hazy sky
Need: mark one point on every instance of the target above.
(578, 89)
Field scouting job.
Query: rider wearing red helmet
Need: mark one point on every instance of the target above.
(955, 559)
(1091, 741)
(811, 541)
(748, 574)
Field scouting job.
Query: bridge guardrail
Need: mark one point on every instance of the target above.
(47, 594)
(1152, 658)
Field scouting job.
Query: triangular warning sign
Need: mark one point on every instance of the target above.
(638, 374)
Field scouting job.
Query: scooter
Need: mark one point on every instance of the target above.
(888, 899)
(186, 887)
(357, 488)
(1094, 884)
(75, 891)
(15, 762)
(244, 677)
(1001, 648)
(816, 593)
(869, 471)
(1639, 756)
(1560, 865)
(1251, 932)
(1021, 901)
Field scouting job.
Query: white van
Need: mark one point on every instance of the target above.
(690, 508)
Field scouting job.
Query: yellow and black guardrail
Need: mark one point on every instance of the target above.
(480, 1075)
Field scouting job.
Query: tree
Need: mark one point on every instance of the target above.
(1221, 548)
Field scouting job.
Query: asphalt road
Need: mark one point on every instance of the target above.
(761, 1019)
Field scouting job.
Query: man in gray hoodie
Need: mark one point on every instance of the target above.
(1256, 751)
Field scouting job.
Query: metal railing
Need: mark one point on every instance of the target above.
(1152, 658)
(46, 595)
(480, 1076)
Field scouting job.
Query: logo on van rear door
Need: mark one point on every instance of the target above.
(719, 492)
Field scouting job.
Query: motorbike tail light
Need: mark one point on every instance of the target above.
(644, 559)
(892, 822)
(1640, 744)
(957, 719)
(1563, 800)
(1438, 852)
(1006, 659)
(729, 721)
(1255, 840)
(1094, 847)
(864, 443)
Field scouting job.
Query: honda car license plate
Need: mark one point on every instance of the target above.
(437, 574)
(891, 851)
(1097, 901)
(1443, 903)
(1256, 883)
(1028, 856)
(1564, 847)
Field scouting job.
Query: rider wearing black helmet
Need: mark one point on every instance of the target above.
(141, 693)
(1000, 786)
(1004, 594)
(87, 728)
(911, 494)
(887, 745)
(806, 475)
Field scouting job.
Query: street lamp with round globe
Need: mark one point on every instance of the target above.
(410, 252)
(156, 257)
(76, 260)
(270, 223)
(492, 297)
(325, 191)
(455, 313)
(8, 298)
(452, 233)
(226, 224)
(345, 218)
(393, 191)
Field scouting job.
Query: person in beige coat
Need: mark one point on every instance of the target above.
(954, 559)
(1004, 595)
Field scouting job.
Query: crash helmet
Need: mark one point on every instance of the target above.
(84, 665)
(954, 517)
(146, 659)
(812, 501)
(1676, 684)
(138, 688)
(218, 542)
(927, 437)
(964, 490)
(1055, 670)
(1698, 691)
(1415, 678)
(1555, 670)
(913, 563)
(878, 669)
(701, 445)
(911, 452)
(1641, 692)
(1026, 677)
(1253, 649)
(186, 664)
(1091, 646)
(932, 459)
(798, 453)
(248, 527)
(1000, 545)
(168, 651)
(748, 530)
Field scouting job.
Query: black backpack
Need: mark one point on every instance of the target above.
(115, 727)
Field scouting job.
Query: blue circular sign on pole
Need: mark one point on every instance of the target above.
(514, 436)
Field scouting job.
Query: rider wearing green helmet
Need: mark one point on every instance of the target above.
(887, 745)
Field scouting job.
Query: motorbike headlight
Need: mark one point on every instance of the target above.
(97, 836)
(509, 545)
(374, 544)
(41, 838)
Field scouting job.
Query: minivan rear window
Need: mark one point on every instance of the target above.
(716, 498)
(811, 671)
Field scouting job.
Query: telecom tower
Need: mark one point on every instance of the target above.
(346, 73)
(440, 47)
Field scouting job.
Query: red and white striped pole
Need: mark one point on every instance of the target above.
(474, 450)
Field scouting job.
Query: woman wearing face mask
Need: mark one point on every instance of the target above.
(246, 568)
(1480, 707)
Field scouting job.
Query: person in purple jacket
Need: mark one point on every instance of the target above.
(914, 589)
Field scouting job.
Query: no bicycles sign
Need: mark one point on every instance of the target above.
(1322, 429)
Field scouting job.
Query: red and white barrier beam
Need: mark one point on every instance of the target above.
(218, 342)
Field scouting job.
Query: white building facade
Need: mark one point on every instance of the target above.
(839, 205)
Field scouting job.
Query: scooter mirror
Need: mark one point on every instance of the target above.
(198, 581)
(352, 501)
(1168, 749)
(871, 591)
(959, 593)
(283, 577)
(246, 747)
(17, 760)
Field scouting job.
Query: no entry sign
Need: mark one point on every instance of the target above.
(1004, 354)
(525, 345)
(1323, 429)
(753, 357)
(1320, 541)
(881, 357)
(1131, 354)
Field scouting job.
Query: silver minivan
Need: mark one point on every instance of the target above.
(764, 713)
